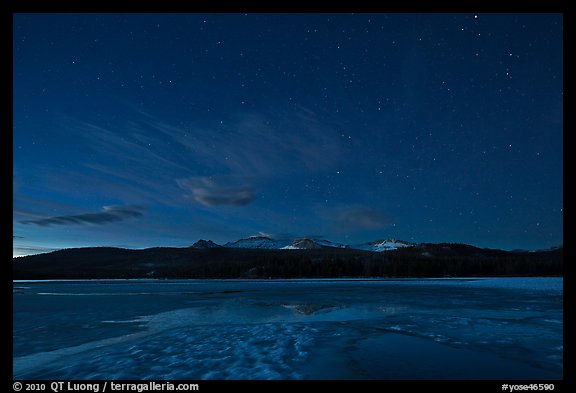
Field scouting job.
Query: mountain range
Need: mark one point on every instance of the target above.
(264, 257)
(268, 243)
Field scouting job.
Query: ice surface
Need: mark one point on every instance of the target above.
(497, 328)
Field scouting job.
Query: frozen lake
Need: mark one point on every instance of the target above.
(493, 328)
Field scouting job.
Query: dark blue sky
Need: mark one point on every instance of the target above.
(140, 130)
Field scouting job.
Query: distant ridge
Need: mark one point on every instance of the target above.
(304, 258)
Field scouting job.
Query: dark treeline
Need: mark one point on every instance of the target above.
(425, 260)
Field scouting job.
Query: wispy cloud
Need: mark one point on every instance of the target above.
(208, 192)
(345, 218)
(259, 144)
(148, 157)
(276, 236)
(110, 214)
(148, 161)
(361, 218)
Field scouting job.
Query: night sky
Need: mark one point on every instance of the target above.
(143, 130)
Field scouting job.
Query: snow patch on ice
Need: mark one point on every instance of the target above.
(266, 351)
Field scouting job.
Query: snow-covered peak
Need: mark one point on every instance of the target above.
(302, 244)
(382, 245)
(258, 242)
(391, 243)
(328, 243)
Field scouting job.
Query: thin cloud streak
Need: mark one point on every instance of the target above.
(361, 218)
(109, 215)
